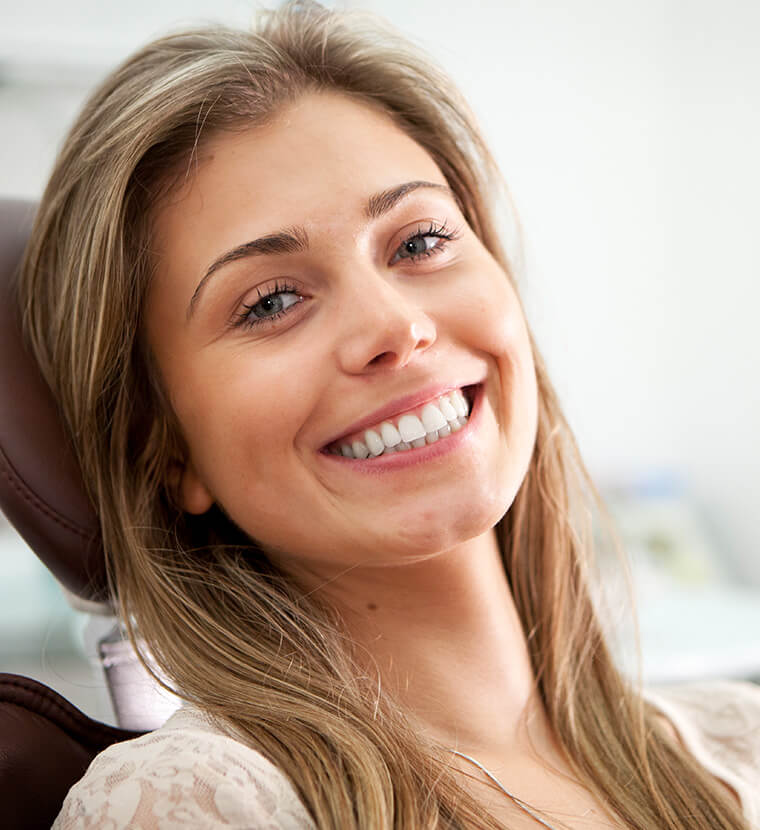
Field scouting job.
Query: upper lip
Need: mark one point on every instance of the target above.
(399, 405)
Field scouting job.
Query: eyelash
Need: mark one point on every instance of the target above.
(442, 232)
(244, 318)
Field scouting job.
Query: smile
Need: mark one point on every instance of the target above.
(427, 424)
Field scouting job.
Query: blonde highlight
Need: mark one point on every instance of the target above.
(196, 593)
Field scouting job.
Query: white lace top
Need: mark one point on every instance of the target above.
(189, 775)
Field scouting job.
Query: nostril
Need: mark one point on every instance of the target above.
(381, 358)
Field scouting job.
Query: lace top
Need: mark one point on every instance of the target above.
(187, 774)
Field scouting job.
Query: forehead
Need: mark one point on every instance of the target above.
(315, 162)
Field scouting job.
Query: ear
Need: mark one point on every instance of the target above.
(190, 491)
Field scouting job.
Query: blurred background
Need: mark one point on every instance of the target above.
(628, 134)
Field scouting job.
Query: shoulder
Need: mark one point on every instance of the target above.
(724, 715)
(184, 774)
(719, 722)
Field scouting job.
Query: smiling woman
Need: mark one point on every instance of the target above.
(342, 509)
(348, 318)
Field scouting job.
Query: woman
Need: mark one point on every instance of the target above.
(341, 505)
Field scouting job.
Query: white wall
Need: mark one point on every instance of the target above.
(628, 132)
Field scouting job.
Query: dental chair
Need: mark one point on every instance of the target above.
(46, 743)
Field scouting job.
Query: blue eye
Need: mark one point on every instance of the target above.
(423, 243)
(277, 302)
(269, 306)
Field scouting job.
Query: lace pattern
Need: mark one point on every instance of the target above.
(185, 775)
(188, 775)
(719, 722)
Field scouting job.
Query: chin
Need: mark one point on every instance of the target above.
(430, 530)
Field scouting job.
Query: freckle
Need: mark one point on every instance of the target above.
(371, 606)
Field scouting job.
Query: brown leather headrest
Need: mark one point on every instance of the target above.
(46, 744)
(41, 488)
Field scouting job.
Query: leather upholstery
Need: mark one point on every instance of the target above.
(46, 744)
(41, 489)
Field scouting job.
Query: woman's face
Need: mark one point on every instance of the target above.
(306, 292)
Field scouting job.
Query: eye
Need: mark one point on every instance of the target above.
(270, 306)
(424, 242)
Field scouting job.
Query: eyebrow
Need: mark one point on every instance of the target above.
(295, 239)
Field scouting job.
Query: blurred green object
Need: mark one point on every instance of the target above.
(663, 532)
(696, 619)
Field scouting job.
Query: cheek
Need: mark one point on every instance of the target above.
(497, 329)
(240, 417)
(519, 389)
(486, 313)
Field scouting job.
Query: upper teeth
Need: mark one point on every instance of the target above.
(437, 419)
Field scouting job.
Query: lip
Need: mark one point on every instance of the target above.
(417, 455)
(399, 406)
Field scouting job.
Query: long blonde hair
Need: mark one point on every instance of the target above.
(195, 592)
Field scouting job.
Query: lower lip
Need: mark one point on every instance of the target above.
(417, 455)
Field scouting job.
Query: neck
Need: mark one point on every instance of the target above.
(445, 637)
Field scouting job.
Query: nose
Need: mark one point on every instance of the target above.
(382, 326)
